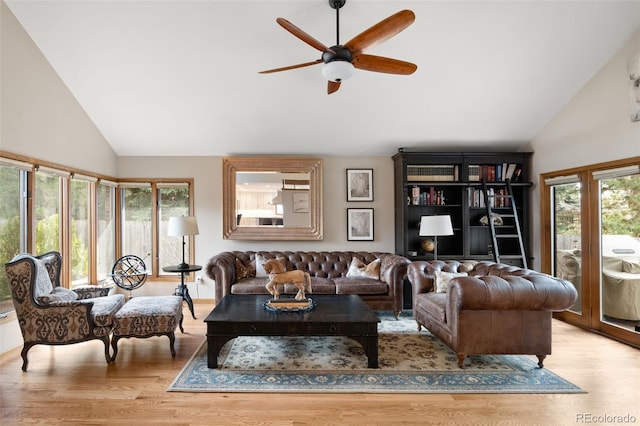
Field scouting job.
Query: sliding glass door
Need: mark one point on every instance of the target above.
(567, 236)
(619, 222)
(591, 237)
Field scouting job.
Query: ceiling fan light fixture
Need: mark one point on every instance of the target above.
(338, 70)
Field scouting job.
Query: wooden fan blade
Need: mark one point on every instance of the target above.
(381, 31)
(332, 87)
(291, 67)
(302, 35)
(382, 64)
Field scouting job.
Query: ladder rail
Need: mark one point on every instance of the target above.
(492, 230)
(516, 221)
(489, 201)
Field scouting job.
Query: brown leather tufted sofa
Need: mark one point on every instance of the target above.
(328, 275)
(496, 309)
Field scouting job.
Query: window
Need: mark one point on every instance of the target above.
(47, 205)
(173, 200)
(106, 228)
(79, 214)
(567, 232)
(13, 220)
(137, 216)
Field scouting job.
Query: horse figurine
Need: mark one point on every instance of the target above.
(279, 275)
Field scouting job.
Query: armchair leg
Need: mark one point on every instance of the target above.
(540, 360)
(106, 342)
(23, 353)
(114, 345)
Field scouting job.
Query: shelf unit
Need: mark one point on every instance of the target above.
(436, 183)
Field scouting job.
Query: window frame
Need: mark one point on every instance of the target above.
(156, 269)
(23, 180)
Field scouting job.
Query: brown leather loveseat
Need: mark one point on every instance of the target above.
(495, 309)
(238, 272)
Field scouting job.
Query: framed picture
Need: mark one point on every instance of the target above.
(360, 224)
(359, 184)
(301, 202)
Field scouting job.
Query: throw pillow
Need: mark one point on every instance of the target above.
(631, 267)
(359, 269)
(260, 261)
(59, 294)
(245, 271)
(441, 279)
(43, 284)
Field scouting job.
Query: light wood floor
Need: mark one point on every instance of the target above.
(73, 385)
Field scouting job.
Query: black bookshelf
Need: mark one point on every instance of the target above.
(430, 183)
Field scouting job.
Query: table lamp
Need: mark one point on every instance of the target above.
(435, 226)
(181, 226)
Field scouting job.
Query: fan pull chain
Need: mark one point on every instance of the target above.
(337, 26)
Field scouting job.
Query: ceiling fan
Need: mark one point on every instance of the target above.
(340, 60)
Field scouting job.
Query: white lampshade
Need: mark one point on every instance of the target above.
(182, 225)
(337, 71)
(432, 226)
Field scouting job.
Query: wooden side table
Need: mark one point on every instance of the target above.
(182, 289)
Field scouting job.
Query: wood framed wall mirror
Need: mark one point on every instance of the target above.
(272, 198)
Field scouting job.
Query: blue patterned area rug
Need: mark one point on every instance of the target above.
(410, 362)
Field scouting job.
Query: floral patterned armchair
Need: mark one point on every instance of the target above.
(49, 314)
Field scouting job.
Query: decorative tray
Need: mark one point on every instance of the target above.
(289, 305)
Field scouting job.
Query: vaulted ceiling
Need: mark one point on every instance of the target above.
(181, 77)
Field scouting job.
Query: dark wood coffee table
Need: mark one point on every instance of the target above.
(334, 315)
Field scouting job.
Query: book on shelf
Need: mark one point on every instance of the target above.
(429, 197)
(433, 172)
(415, 196)
(499, 172)
(496, 198)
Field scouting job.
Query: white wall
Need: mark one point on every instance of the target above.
(594, 127)
(40, 117)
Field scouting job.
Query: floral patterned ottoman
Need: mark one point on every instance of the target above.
(147, 316)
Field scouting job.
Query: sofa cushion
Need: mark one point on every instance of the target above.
(358, 268)
(254, 285)
(360, 285)
(442, 279)
(318, 286)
